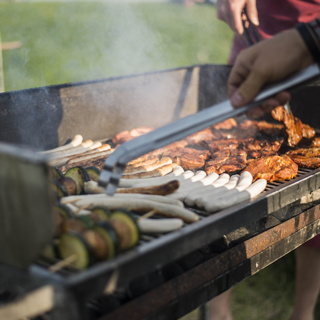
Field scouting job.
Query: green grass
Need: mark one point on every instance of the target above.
(79, 41)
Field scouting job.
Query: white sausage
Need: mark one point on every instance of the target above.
(159, 225)
(239, 196)
(76, 141)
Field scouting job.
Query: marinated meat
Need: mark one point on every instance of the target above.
(306, 157)
(200, 136)
(307, 131)
(315, 142)
(226, 161)
(295, 129)
(127, 135)
(226, 124)
(178, 152)
(222, 144)
(274, 168)
(190, 161)
(271, 129)
(260, 148)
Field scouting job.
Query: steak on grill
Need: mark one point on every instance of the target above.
(273, 168)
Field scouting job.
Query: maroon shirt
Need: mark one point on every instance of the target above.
(276, 16)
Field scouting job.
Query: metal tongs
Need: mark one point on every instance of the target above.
(116, 162)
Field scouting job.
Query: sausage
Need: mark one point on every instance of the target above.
(236, 197)
(161, 171)
(72, 199)
(159, 225)
(76, 141)
(177, 173)
(212, 194)
(148, 167)
(140, 205)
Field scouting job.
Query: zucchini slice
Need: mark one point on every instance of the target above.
(55, 173)
(125, 218)
(110, 236)
(61, 214)
(103, 213)
(98, 243)
(59, 191)
(79, 175)
(74, 244)
(70, 185)
(63, 210)
(93, 173)
(49, 252)
(73, 224)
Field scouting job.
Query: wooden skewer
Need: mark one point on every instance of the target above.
(112, 283)
(70, 201)
(63, 263)
(148, 214)
(87, 206)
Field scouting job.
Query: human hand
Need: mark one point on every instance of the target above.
(264, 63)
(230, 11)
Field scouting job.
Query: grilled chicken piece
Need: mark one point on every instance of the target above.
(295, 129)
(127, 135)
(226, 161)
(190, 161)
(226, 124)
(306, 157)
(274, 168)
(257, 148)
(222, 144)
(200, 136)
(271, 129)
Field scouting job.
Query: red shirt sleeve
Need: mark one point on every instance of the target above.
(276, 16)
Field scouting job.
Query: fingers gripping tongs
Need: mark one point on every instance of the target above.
(116, 162)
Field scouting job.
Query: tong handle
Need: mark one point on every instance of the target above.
(246, 29)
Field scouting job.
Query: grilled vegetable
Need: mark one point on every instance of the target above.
(110, 236)
(79, 175)
(126, 227)
(98, 243)
(61, 214)
(58, 189)
(63, 210)
(79, 224)
(55, 173)
(50, 251)
(93, 173)
(69, 184)
(74, 244)
(103, 213)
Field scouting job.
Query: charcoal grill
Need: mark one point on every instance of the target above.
(165, 276)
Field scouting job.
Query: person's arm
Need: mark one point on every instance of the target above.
(270, 61)
(230, 11)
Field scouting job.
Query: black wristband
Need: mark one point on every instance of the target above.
(310, 40)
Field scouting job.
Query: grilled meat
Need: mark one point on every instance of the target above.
(257, 148)
(274, 168)
(190, 161)
(226, 124)
(226, 161)
(200, 136)
(222, 144)
(127, 135)
(295, 129)
(306, 157)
